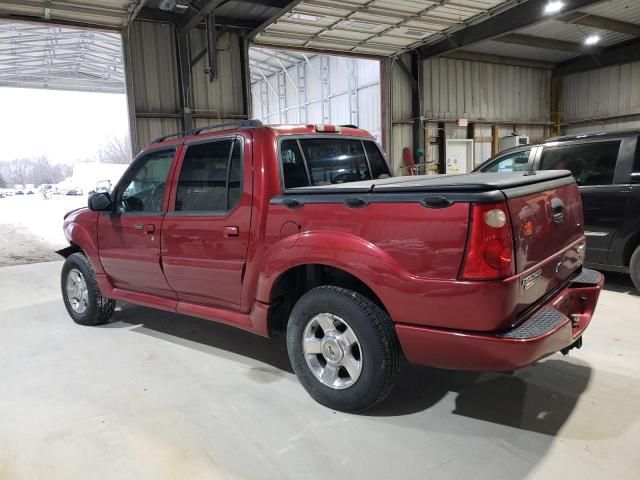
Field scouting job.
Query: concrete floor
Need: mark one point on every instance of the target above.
(161, 396)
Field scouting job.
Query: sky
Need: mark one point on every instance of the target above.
(65, 126)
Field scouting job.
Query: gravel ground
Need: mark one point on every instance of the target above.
(31, 227)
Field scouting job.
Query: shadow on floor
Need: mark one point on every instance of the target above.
(539, 398)
(620, 282)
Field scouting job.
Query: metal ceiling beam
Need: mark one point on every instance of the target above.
(615, 55)
(500, 60)
(515, 18)
(603, 23)
(548, 43)
(195, 16)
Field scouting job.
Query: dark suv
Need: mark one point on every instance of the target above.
(606, 167)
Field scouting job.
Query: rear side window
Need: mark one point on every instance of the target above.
(335, 160)
(210, 178)
(515, 162)
(590, 163)
(378, 166)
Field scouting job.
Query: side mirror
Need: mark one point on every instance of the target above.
(100, 202)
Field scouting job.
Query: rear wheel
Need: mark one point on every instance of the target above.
(343, 348)
(81, 294)
(634, 267)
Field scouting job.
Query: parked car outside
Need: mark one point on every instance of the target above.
(74, 191)
(606, 167)
(299, 230)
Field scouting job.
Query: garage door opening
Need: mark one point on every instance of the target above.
(292, 87)
(65, 130)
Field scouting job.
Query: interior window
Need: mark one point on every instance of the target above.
(202, 185)
(143, 190)
(514, 162)
(378, 165)
(334, 160)
(293, 169)
(590, 163)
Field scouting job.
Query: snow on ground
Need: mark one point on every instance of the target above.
(31, 227)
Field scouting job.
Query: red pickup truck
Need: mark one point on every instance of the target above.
(302, 230)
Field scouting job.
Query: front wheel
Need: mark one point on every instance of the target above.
(81, 294)
(343, 348)
(634, 268)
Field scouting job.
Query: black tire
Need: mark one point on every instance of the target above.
(634, 268)
(98, 309)
(382, 357)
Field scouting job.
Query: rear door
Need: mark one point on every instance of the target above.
(129, 237)
(594, 165)
(205, 234)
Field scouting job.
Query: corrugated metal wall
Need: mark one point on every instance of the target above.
(401, 118)
(455, 89)
(598, 94)
(327, 89)
(154, 76)
(487, 93)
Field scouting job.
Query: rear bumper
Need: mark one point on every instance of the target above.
(556, 324)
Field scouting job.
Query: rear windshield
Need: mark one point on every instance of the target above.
(327, 161)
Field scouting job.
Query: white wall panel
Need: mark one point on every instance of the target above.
(347, 77)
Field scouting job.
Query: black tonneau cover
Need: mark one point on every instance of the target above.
(466, 183)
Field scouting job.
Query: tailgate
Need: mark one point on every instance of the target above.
(548, 236)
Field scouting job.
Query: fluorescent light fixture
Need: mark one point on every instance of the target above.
(592, 39)
(553, 6)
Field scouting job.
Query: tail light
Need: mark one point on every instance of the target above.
(489, 254)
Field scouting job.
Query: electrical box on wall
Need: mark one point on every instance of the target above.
(513, 141)
(459, 156)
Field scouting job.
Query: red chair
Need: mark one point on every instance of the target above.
(409, 164)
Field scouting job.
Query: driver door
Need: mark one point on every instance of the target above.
(129, 237)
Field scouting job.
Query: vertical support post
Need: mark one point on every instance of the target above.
(385, 108)
(282, 97)
(471, 135)
(352, 65)
(495, 139)
(245, 75)
(325, 89)
(556, 87)
(184, 76)
(264, 98)
(301, 70)
(442, 146)
(416, 108)
(130, 91)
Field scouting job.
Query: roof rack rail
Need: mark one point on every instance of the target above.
(349, 126)
(171, 135)
(238, 124)
(198, 131)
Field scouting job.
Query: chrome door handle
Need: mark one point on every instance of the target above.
(231, 232)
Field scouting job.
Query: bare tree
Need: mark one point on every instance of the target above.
(3, 183)
(36, 171)
(20, 170)
(115, 150)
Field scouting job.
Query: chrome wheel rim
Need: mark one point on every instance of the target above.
(332, 351)
(77, 292)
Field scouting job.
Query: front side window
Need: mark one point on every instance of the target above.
(590, 163)
(379, 168)
(144, 186)
(515, 162)
(210, 177)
